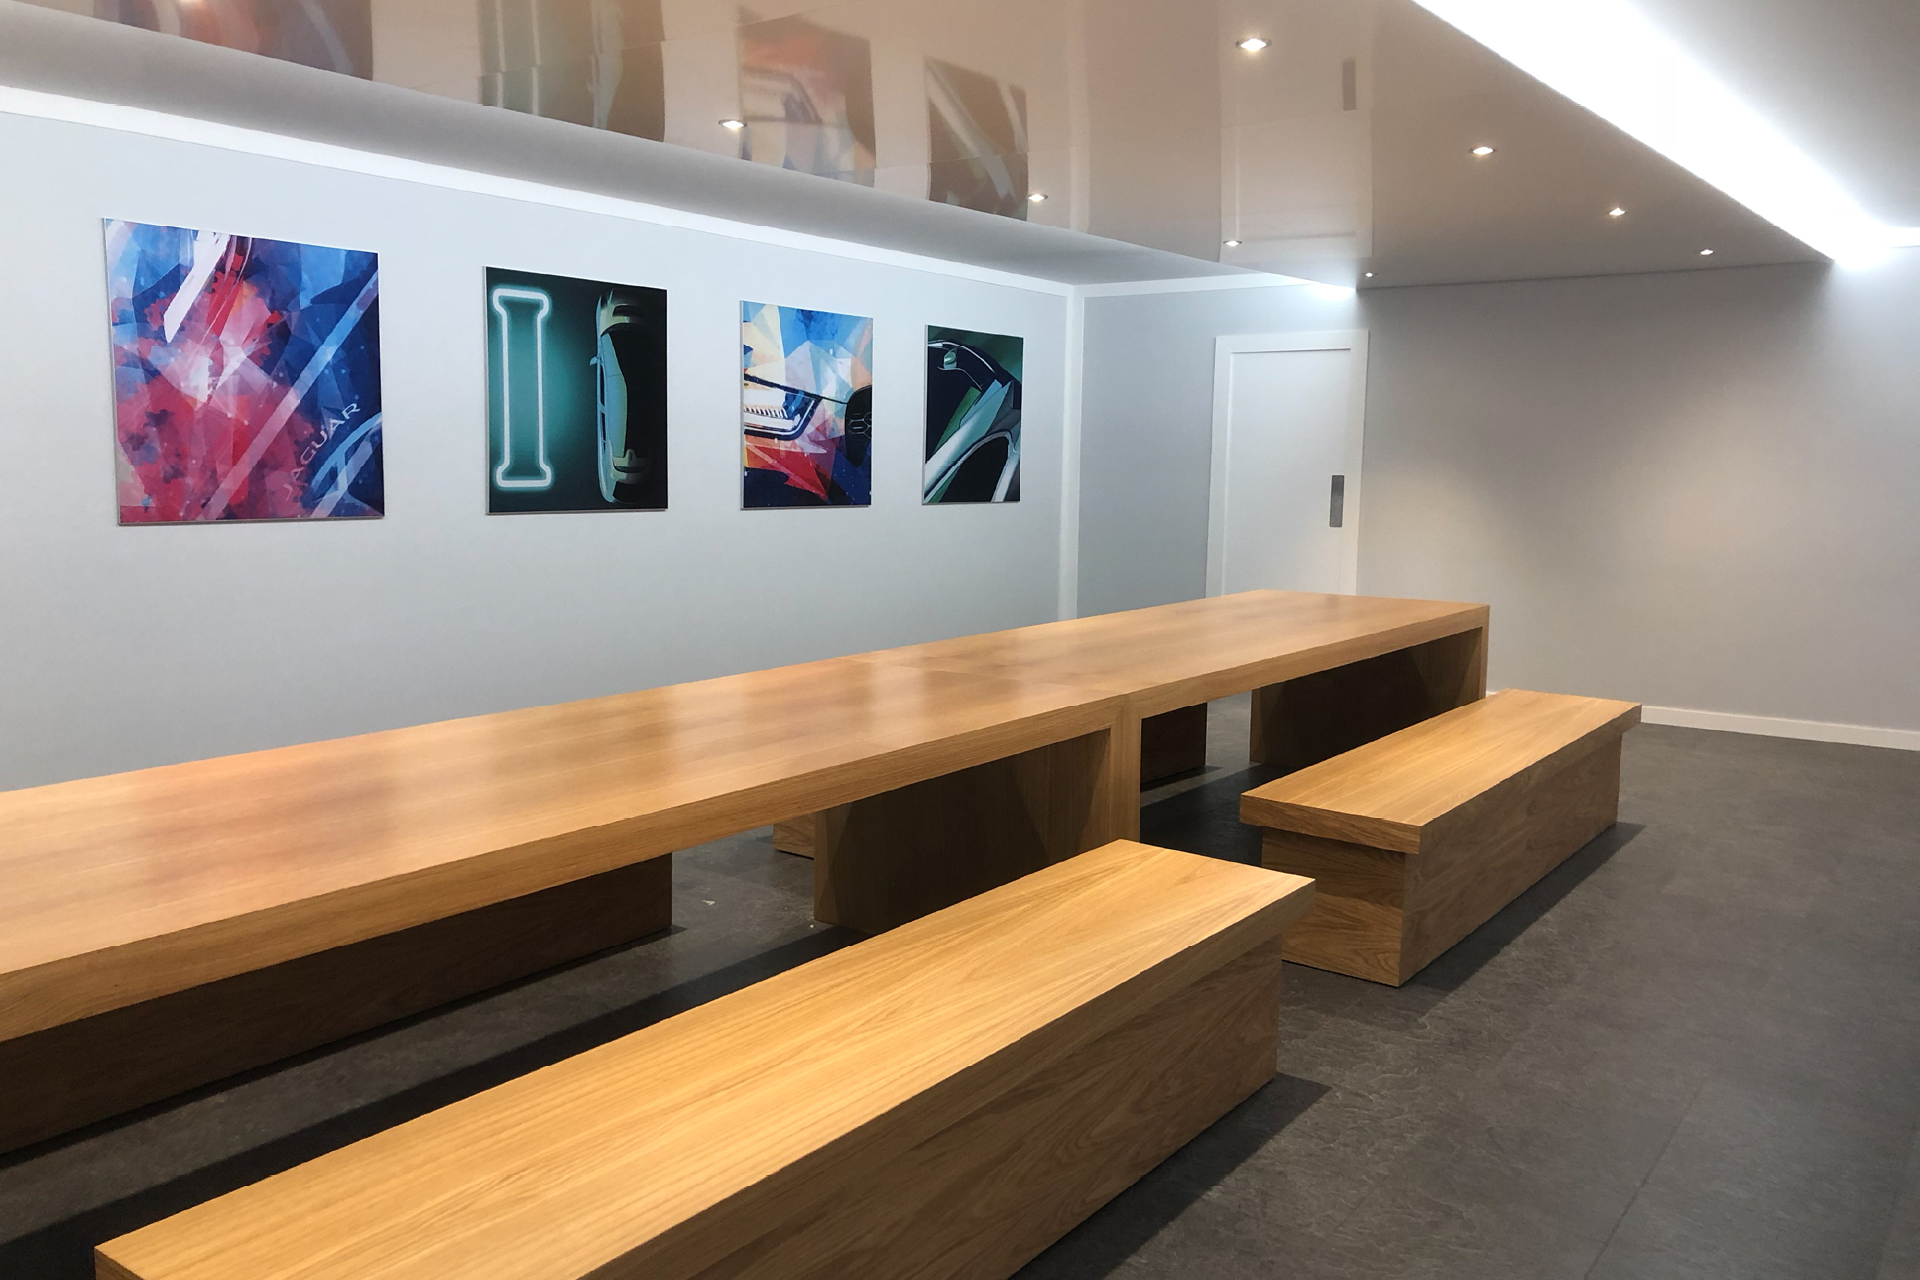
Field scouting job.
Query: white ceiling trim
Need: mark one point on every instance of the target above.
(227, 137)
(1196, 284)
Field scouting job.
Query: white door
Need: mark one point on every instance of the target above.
(1286, 457)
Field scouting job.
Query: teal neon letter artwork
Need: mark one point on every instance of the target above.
(523, 374)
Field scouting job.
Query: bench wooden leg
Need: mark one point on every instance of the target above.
(54, 1080)
(795, 835)
(897, 856)
(1301, 722)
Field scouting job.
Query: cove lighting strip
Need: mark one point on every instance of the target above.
(1608, 57)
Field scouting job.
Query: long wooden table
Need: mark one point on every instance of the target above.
(189, 921)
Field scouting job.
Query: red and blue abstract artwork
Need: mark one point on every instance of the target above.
(246, 377)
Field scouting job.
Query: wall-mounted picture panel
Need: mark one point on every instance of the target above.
(973, 417)
(246, 377)
(806, 407)
(576, 394)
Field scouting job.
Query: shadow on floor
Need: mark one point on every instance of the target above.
(1464, 959)
(1206, 819)
(1103, 1243)
(63, 1250)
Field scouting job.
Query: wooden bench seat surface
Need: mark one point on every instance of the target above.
(122, 888)
(616, 1153)
(1387, 793)
(1177, 655)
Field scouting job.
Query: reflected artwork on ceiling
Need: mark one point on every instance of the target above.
(973, 417)
(806, 407)
(806, 98)
(333, 35)
(246, 377)
(576, 394)
(977, 131)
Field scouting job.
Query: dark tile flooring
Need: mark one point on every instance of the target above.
(1693, 1051)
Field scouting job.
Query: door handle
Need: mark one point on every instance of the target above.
(1337, 504)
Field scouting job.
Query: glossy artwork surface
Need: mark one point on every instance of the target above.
(246, 377)
(806, 407)
(576, 394)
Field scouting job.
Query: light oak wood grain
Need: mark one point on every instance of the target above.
(901, 1063)
(1403, 792)
(1180, 655)
(1417, 839)
(123, 888)
(78, 1072)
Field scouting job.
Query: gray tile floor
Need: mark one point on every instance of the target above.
(1693, 1051)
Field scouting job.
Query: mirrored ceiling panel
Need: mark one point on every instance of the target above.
(1349, 141)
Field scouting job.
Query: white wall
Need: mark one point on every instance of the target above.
(126, 647)
(1696, 490)
(1147, 431)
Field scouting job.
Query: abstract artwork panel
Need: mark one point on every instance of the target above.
(334, 35)
(977, 127)
(576, 394)
(973, 417)
(246, 377)
(806, 407)
(806, 97)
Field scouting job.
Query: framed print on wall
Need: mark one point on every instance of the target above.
(246, 377)
(806, 407)
(576, 394)
(973, 417)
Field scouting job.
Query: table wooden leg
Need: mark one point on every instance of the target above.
(1301, 722)
(897, 856)
(1173, 742)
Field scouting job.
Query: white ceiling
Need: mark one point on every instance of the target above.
(1341, 149)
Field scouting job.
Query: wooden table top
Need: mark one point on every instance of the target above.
(1389, 793)
(121, 888)
(617, 1154)
(1177, 655)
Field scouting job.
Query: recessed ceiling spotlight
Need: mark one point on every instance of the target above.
(733, 124)
(1369, 275)
(1036, 197)
(1233, 244)
(1706, 253)
(1483, 151)
(1616, 212)
(1252, 44)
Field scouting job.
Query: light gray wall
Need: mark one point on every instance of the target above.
(1695, 489)
(125, 647)
(1147, 429)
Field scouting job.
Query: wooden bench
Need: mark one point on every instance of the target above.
(943, 1100)
(1418, 838)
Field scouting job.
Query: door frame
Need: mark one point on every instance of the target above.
(1224, 350)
